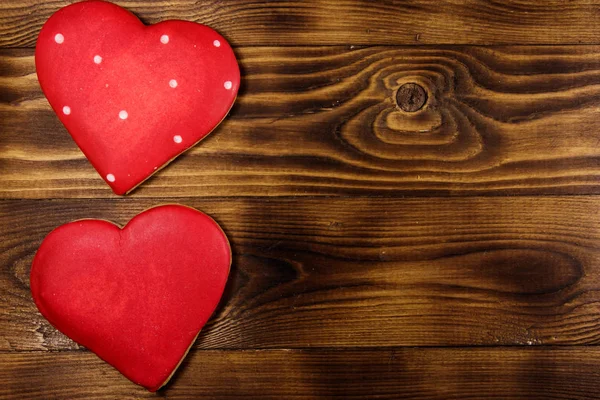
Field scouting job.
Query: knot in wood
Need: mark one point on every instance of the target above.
(411, 97)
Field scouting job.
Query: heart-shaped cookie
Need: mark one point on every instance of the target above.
(137, 296)
(133, 97)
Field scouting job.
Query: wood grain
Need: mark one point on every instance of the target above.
(360, 271)
(486, 373)
(337, 274)
(324, 121)
(358, 22)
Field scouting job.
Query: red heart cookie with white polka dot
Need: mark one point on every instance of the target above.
(133, 97)
(136, 296)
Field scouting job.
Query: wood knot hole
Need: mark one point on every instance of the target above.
(411, 97)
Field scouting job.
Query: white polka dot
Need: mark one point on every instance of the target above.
(97, 59)
(177, 139)
(173, 83)
(66, 110)
(216, 43)
(228, 85)
(59, 38)
(110, 177)
(164, 39)
(123, 114)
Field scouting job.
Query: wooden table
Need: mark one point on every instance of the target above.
(439, 241)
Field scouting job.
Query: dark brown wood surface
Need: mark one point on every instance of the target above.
(394, 373)
(326, 272)
(410, 189)
(324, 121)
(317, 22)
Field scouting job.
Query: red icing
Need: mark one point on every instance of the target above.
(137, 296)
(133, 72)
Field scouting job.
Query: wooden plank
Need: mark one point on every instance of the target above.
(360, 271)
(327, 22)
(416, 373)
(323, 121)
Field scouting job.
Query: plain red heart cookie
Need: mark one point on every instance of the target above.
(133, 97)
(136, 296)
